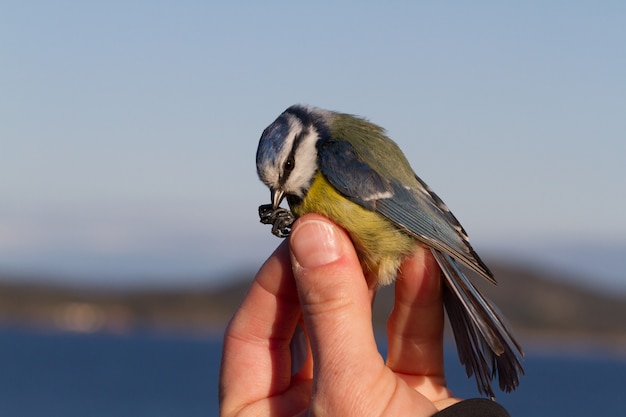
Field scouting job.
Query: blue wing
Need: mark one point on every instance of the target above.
(413, 207)
(485, 345)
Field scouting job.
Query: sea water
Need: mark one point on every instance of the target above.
(53, 374)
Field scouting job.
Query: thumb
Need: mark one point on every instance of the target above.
(334, 297)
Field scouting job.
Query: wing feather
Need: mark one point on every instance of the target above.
(485, 345)
(413, 206)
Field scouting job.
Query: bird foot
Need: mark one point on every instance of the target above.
(281, 219)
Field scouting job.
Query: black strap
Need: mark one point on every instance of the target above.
(474, 407)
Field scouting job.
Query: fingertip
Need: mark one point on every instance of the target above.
(315, 241)
(419, 278)
(323, 257)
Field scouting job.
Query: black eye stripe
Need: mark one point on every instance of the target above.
(290, 162)
(298, 139)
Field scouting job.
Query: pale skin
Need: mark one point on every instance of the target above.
(315, 278)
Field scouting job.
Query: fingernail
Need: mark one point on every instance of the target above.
(315, 243)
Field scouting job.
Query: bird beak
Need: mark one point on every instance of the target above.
(277, 196)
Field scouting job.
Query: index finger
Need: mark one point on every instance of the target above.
(415, 326)
(256, 342)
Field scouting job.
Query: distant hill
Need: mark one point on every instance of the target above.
(541, 304)
(536, 303)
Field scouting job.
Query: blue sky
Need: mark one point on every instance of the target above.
(128, 129)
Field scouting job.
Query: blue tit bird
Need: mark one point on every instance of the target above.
(347, 169)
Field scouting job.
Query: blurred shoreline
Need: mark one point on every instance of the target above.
(547, 313)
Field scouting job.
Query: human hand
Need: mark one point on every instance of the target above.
(316, 277)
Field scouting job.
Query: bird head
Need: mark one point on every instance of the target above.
(286, 158)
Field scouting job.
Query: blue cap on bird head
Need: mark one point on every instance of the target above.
(272, 140)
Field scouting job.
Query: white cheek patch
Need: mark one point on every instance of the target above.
(306, 165)
(269, 177)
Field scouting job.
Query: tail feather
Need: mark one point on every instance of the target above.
(484, 343)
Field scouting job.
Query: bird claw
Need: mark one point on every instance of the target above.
(281, 219)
